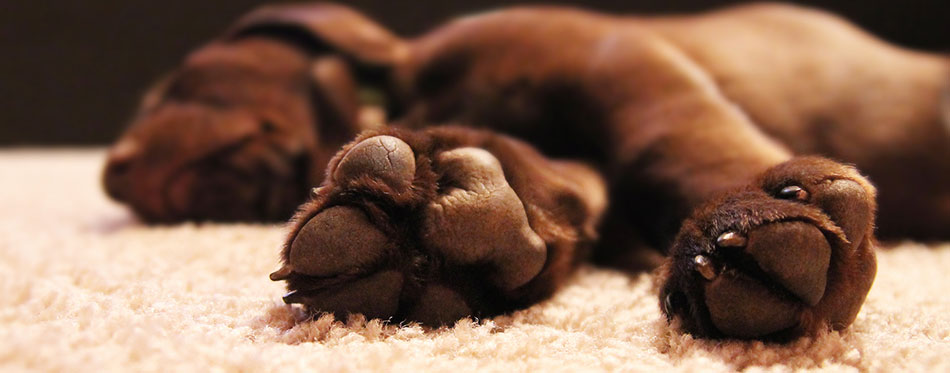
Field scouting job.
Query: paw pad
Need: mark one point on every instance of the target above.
(784, 256)
(339, 239)
(432, 258)
(385, 158)
(481, 219)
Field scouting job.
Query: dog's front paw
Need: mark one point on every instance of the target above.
(423, 227)
(789, 255)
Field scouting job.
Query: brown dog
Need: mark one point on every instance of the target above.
(691, 124)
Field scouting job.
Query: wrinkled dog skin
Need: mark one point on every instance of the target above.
(695, 135)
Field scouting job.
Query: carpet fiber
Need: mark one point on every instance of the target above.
(84, 287)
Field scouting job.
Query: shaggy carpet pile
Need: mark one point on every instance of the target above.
(85, 287)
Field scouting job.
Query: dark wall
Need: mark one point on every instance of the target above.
(70, 73)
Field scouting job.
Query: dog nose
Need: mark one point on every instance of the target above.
(118, 164)
(115, 179)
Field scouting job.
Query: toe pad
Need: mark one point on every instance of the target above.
(742, 307)
(337, 240)
(386, 158)
(796, 255)
(481, 219)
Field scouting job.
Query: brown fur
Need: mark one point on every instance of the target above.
(244, 127)
(563, 212)
(693, 121)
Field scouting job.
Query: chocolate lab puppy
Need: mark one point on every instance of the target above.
(695, 131)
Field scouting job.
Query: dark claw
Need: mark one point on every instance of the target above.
(672, 303)
(281, 274)
(668, 306)
(315, 192)
(291, 297)
(793, 192)
(731, 239)
(705, 267)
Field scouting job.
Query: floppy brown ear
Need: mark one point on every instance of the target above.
(351, 55)
(154, 95)
(337, 100)
(323, 28)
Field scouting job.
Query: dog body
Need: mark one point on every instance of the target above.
(698, 104)
(686, 134)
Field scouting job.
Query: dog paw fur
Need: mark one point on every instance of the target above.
(786, 256)
(432, 226)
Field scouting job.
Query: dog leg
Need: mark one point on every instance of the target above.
(439, 224)
(768, 245)
(787, 255)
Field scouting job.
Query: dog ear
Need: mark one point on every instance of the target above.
(337, 101)
(353, 58)
(154, 95)
(323, 28)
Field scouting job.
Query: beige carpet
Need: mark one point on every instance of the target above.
(83, 287)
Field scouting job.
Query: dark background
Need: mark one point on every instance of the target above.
(71, 71)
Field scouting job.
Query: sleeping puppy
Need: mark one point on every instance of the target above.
(691, 135)
(244, 127)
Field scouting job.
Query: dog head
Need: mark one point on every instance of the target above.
(245, 126)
